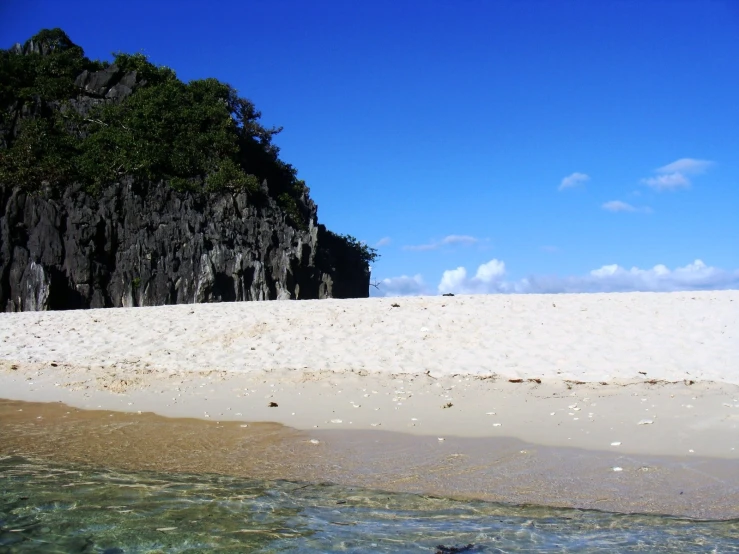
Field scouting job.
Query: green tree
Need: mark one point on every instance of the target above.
(199, 135)
(366, 253)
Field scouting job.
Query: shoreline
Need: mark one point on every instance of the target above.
(491, 469)
(598, 386)
(645, 418)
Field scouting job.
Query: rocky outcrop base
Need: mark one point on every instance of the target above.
(140, 244)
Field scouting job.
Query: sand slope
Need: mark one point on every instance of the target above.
(585, 337)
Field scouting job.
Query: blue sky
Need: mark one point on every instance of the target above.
(541, 146)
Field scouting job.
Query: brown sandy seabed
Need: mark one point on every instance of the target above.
(656, 477)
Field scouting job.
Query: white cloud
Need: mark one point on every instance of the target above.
(669, 181)
(400, 286)
(449, 240)
(422, 247)
(691, 166)
(674, 175)
(618, 206)
(458, 239)
(694, 276)
(573, 180)
(490, 278)
(452, 279)
(384, 241)
(490, 271)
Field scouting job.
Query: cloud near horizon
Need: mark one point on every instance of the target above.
(449, 240)
(490, 278)
(573, 180)
(400, 286)
(674, 175)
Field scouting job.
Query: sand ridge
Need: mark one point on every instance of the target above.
(582, 337)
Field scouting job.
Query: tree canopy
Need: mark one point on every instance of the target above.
(196, 136)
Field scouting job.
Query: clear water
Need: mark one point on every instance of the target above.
(46, 508)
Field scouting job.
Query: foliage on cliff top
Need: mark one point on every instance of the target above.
(365, 252)
(197, 136)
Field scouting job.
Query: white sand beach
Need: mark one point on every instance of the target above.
(627, 375)
(586, 337)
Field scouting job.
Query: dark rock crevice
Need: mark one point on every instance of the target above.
(145, 244)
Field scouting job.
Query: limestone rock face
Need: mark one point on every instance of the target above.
(144, 244)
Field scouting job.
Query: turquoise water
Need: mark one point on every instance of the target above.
(46, 508)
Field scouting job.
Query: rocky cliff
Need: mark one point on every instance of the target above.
(140, 242)
(146, 244)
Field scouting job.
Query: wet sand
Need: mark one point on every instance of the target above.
(626, 402)
(494, 469)
(648, 417)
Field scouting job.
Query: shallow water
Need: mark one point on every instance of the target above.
(48, 508)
